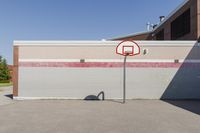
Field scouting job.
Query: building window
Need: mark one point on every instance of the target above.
(181, 25)
(160, 35)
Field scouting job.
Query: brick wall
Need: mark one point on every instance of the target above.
(198, 13)
(192, 4)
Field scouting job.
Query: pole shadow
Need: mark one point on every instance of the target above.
(96, 97)
(9, 96)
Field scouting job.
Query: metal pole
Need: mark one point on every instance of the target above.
(124, 81)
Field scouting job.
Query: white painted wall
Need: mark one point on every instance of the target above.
(77, 83)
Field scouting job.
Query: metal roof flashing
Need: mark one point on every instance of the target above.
(130, 35)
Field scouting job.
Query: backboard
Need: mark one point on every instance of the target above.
(128, 48)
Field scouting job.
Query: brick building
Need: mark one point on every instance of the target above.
(181, 24)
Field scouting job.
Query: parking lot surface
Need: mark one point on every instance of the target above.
(77, 116)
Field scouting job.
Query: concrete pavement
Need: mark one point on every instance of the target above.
(74, 116)
(6, 95)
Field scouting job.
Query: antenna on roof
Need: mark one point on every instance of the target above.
(148, 26)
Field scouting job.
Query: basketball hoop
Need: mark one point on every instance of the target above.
(127, 48)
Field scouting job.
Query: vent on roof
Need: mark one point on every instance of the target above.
(161, 18)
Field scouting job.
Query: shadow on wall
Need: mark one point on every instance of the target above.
(185, 85)
(94, 97)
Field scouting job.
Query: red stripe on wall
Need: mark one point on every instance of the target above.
(109, 64)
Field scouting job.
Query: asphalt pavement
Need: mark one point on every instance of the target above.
(78, 116)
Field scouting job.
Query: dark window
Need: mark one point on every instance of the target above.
(160, 35)
(181, 25)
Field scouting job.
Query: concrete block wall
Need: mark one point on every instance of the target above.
(78, 69)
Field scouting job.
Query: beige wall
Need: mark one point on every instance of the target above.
(107, 52)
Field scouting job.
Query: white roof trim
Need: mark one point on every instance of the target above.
(103, 43)
(60, 42)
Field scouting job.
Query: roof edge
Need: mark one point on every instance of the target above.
(130, 35)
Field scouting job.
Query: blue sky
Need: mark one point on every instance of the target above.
(75, 19)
